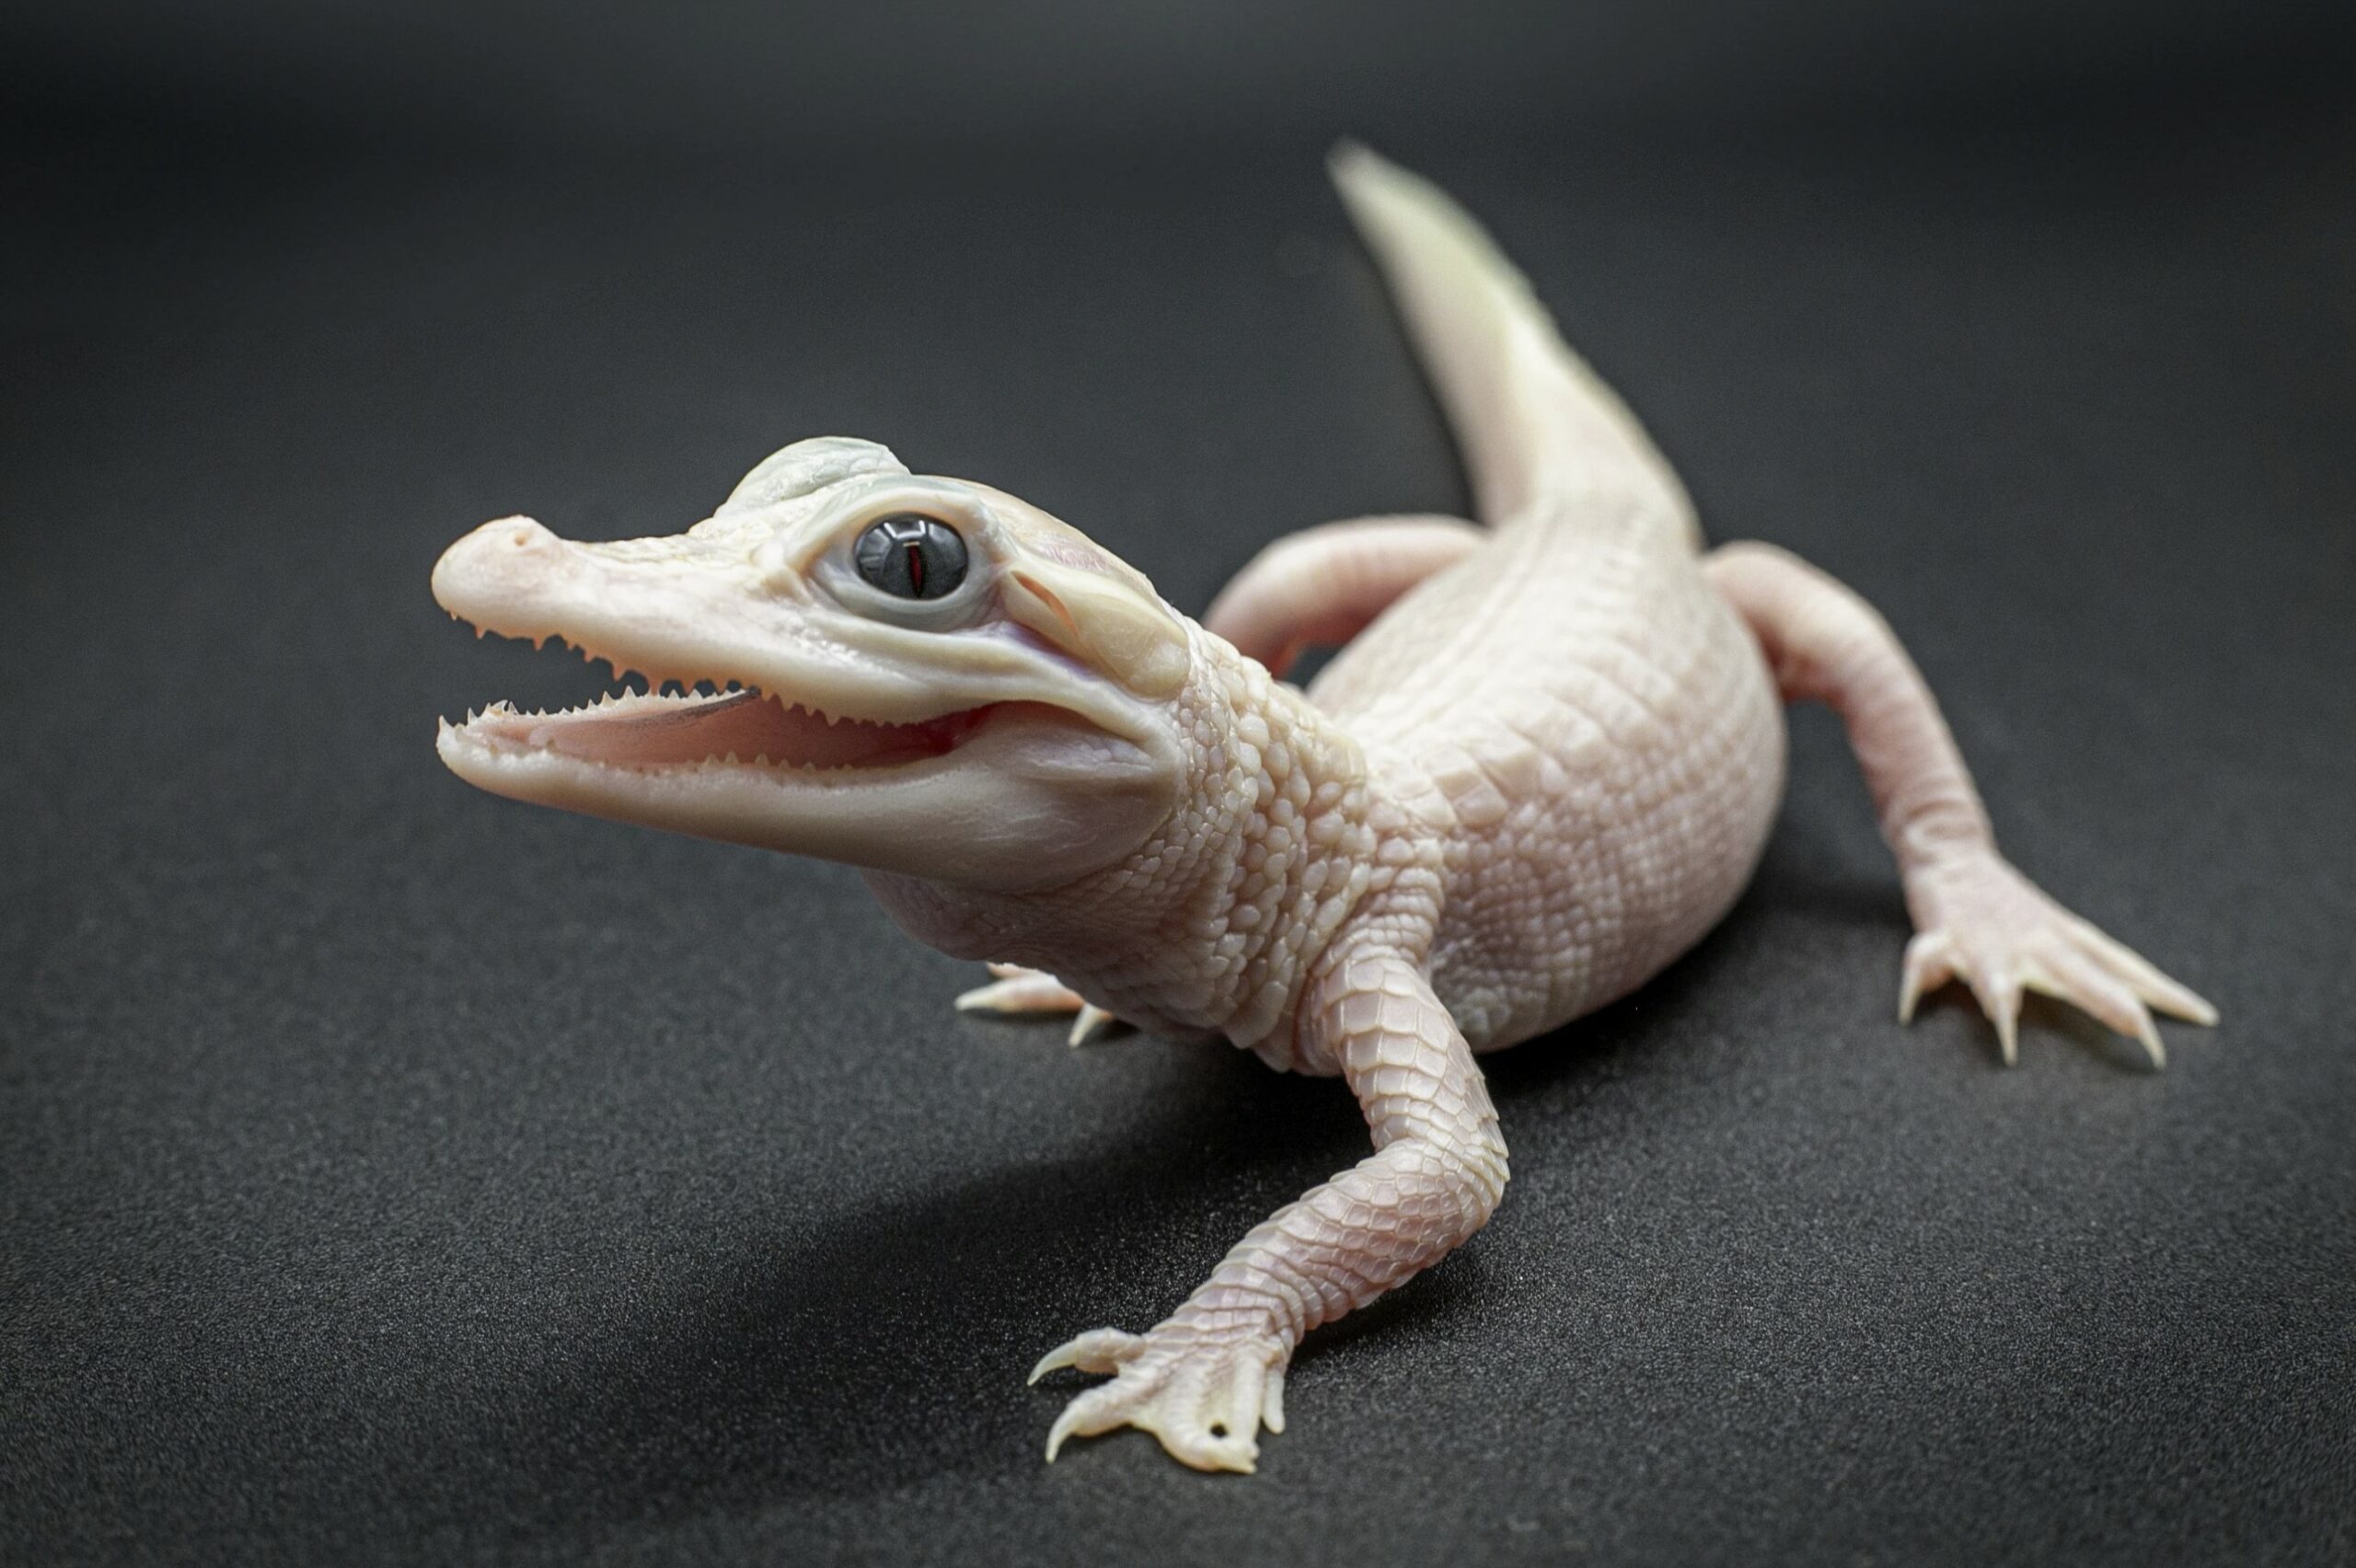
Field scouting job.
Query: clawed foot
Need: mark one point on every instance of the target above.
(1207, 1399)
(1015, 989)
(1985, 924)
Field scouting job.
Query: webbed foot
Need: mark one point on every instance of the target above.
(1985, 924)
(1205, 1398)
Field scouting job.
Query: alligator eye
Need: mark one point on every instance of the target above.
(911, 557)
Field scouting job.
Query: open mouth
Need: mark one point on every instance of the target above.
(730, 724)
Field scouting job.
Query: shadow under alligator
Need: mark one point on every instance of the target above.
(890, 1346)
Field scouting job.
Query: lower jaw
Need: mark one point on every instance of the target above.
(1003, 812)
(848, 815)
(691, 734)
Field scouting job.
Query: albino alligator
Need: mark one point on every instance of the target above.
(1542, 768)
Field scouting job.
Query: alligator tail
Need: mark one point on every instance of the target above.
(1537, 427)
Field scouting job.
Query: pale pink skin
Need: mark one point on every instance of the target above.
(1545, 766)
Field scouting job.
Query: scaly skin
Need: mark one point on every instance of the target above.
(1545, 766)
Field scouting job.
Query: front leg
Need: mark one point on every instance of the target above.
(1977, 919)
(1206, 1379)
(1322, 586)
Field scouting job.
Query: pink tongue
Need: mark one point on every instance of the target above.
(748, 724)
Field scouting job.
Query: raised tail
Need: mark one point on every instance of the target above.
(1533, 421)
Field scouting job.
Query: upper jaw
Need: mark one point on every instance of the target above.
(684, 611)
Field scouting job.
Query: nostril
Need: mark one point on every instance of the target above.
(516, 534)
(496, 562)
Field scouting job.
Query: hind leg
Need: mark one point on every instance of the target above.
(1323, 585)
(1977, 919)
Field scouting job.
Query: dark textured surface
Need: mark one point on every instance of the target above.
(388, 1172)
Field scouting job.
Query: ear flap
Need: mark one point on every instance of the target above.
(1099, 617)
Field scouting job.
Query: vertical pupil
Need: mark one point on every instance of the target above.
(911, 557)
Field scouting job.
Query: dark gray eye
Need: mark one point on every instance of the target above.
(910, 556)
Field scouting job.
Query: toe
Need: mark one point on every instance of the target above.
(2074, 978)
(1212, 1433)
(1099, 1409)
(1998, 990)
(1929, 964)
(2141, 976)
(1236, 1407)
(1272, 1400)
(1205, 1401)
(1098, 1350)
(1019, 990)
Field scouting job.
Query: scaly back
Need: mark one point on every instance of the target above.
(1594, 553)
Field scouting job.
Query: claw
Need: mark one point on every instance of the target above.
(2079, 978)
(1098, 1351)
(1204, 1400)
(2141, 977)
(1929, 964)
(2000, 998)
(1986, 924)
(1020, 990)
(1070, 1422)
(1091, 1020)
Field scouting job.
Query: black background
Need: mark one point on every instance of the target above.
(388, 1172)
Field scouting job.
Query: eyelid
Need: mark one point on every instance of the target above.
(816, 554)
